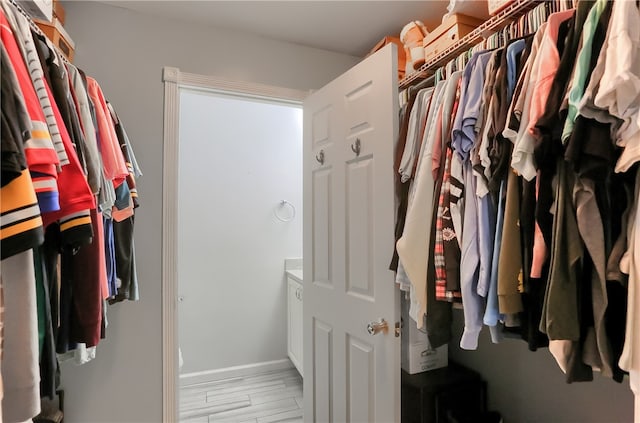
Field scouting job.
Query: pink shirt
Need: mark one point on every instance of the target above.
(548, 60)
(115, 168)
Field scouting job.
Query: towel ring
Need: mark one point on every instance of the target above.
(283, 204)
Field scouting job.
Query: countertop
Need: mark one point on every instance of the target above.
(294, 274)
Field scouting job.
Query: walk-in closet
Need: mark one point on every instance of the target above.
(444, 230)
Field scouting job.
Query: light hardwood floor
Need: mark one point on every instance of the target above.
(262, 398)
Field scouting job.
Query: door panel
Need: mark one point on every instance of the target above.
(350, 127)
(323, 372)
(322, 227)
(360, 381)
(358, 215)
(321, 124)
(358, 109)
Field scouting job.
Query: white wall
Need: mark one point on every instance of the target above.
(238, 159)
(125, 52)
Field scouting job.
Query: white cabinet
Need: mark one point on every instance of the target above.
(294, 321)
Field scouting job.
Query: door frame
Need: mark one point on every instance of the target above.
(174, 80)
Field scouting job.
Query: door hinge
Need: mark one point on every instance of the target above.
(397, 330)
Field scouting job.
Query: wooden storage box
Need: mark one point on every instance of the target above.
(402, 58)
(60, 38)
(448, 33)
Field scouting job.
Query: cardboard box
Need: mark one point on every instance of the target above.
(420, 358)
(448, 33)
(402, 58)
(58, 36)
(417, 355)
(461, 25)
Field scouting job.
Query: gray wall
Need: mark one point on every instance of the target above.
(529, 387)
(125, 52)
(231, 244)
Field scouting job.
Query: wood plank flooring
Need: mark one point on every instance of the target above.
(263, 398)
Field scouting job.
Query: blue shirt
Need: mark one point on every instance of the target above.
(463, 135)
(512, 66)
(469, 261)
(492, 312)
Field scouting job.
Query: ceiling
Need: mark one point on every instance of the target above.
(349, 27)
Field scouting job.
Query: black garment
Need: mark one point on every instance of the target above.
(49, 370)
(621, 187)
(500, 153)
(500, 147)
(440, 314)
(15, 124)
(401, 189)
(547, 146)
(590, 148)
(60, 294)
(523, 56)
(123, 237)
(592, 155)
(494, 131)
(577, 309)
(616, 320)
(533, 288)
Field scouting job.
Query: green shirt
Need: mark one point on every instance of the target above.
(582, 67)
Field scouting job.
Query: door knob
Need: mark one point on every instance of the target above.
(376, 327)
(320, 157)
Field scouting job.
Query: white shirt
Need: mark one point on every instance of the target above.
(630, 264)
(413, 245)
(414, 133)
(619, 91)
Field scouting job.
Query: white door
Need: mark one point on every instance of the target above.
(350, 129)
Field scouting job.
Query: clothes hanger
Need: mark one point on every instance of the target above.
(438, 75)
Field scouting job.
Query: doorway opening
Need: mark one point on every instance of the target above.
(232, 214)
(239, 160)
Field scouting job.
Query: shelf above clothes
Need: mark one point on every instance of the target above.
(495, 23)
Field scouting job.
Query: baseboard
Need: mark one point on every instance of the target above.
(195, 378)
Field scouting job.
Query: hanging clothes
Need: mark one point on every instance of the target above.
(533, 190)
(64, 153)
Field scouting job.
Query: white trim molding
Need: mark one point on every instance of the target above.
(175, 80)
(196, 378)
(169, 250)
